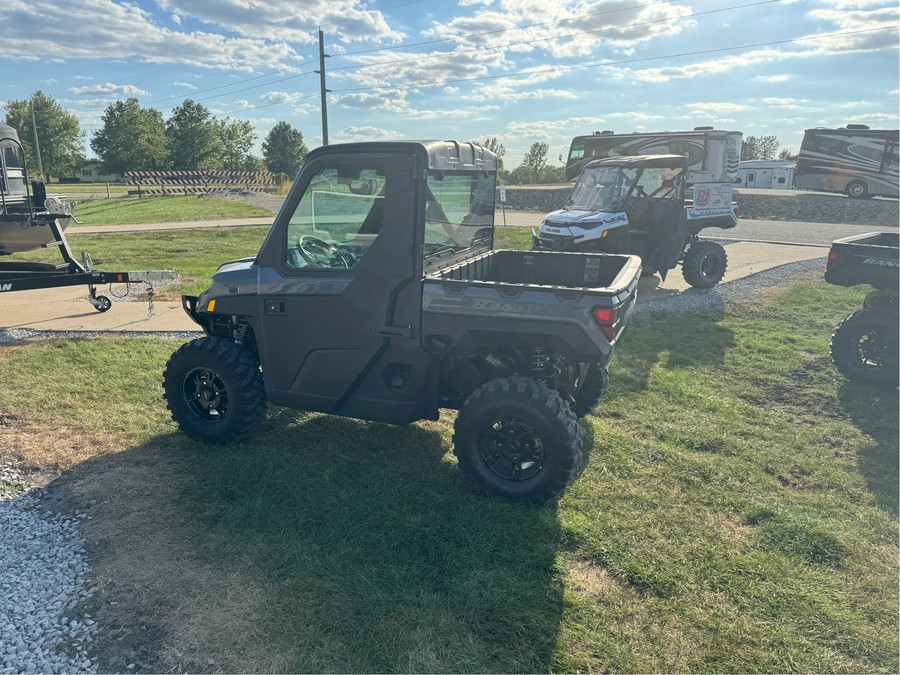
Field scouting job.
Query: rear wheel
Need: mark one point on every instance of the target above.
(857, 189)
(214, 390)
(519, 439)
(864, 348)
(591, 391)
(704, 264)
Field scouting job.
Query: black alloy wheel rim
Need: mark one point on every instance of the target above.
(876, 350)
(709, 266)
(206, 395)
(511, 449)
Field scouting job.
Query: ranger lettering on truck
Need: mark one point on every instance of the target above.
(377, 294)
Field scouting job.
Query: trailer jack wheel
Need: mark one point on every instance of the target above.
(103, 303)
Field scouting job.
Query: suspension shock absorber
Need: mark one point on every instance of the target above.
(542, 366)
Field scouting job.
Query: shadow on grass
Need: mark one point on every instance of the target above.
(663, 338)
(368, 550)
(875, 414)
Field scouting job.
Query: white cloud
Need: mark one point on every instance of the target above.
(355, 134)
(716, 107)
(185, 85)
(278, 97)
(288, 20)
(575, 29)
(107, 30)
(109, 89)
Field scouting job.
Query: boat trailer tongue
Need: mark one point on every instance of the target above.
(28, 276)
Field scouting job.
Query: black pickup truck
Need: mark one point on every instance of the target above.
(377, 295)
(864, 346)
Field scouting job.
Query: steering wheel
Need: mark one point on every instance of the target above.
(319, 253)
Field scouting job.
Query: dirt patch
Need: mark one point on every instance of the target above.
(162, 607)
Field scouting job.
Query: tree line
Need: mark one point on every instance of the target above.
(135, 138)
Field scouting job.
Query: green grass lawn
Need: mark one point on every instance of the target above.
(738, 513)
(195, 254)
(134, 210)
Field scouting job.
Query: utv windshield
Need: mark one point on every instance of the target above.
(459, 215)
(602, 189)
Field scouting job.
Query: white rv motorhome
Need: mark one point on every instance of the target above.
(778, 175)
(855, 160)
(712, 155)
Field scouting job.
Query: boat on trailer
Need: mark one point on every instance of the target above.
(32, 219)
(25, 215)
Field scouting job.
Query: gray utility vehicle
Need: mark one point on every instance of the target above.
(377, 295)
(864, 346)
(637, 205)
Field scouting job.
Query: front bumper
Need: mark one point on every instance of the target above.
(551, 242)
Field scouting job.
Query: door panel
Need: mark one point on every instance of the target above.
(356, 219)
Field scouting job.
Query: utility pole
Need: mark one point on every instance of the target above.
(37, 146)
(321, 72)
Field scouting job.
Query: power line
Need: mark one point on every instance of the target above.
(558, 37)
(504, 30)
(611, 63)
(394, 47)
(232, 84)
(568, 68)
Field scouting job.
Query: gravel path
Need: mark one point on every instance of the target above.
(42, 585)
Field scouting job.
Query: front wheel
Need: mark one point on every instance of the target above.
(214, 390)
(704, 264)
(519, 439)
(864, 348)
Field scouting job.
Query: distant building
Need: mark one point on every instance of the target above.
(778, 174)
(90, 172)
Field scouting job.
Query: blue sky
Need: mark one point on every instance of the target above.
(520, 70)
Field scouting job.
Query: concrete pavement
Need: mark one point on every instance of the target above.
(67, 309)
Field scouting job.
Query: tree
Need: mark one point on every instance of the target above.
(193, 141)
(59, 135)
(534, 162)
(284, 149)
(132, 138)
(786, 155)
(235, 142)
(759, 147)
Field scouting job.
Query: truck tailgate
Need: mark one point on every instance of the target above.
(552, 296)
(872, 258)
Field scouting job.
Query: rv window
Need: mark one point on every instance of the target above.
(781, 180)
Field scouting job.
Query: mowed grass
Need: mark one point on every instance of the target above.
(738, 514)
(194, 254)
(134, 210)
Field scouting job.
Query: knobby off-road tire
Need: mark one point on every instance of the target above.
(591, 391)
(704, 264)
(519, 439)
(864, 348)
(214, 390)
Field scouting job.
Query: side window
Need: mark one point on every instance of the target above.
(336, 220)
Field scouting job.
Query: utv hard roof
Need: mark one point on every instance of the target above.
(436, 155)
(640, 162)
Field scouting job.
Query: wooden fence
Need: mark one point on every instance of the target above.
(198, 182)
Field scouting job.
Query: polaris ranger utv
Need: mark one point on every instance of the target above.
(865, 346)
(637, 205)
(377, 295)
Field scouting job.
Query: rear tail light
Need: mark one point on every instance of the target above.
(832, 256)
(608, 318)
